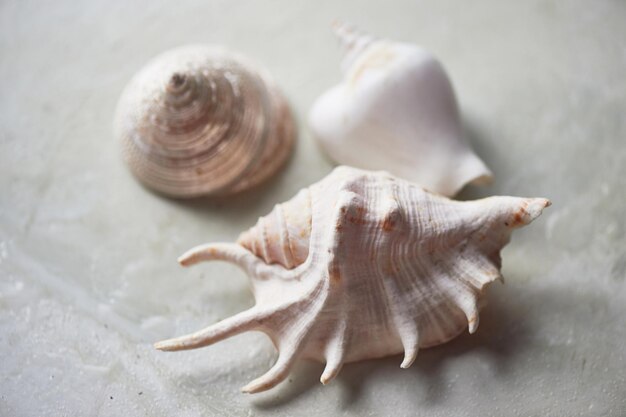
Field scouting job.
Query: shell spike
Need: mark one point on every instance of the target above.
(287, 356)
(215, 252)
(409, 357)
(237, 255)
(410, 341)
(229, 252)
(333, 367)
(271, 378)
(232, 326)
(468, 303)
(335, 354)
(202, 253)
(523, 211)
(471, 312)
(535, 207)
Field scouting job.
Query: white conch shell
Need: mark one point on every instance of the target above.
(396, 110)
(200, 120)
(389, 267)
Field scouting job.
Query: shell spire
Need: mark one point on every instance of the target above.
(352, 41)
(283, 235)
(384, 267)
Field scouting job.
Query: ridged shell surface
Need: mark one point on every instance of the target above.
(387, 268)
(282, 236)
(396, 110)
(201, 120)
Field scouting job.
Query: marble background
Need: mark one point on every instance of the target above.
(88, 278)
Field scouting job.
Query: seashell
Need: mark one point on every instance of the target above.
(200, 120)
(396, 110)
(363, 265)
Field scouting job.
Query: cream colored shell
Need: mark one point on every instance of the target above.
(396, 110)
(200, 120)
(363, 265)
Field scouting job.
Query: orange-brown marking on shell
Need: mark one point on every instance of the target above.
(519, 215)
(334, 274)
(359, 218)
(388, 224)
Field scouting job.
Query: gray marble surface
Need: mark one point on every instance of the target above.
(88, 277)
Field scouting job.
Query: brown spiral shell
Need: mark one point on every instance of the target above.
(200, 120)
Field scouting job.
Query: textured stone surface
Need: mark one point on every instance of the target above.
(88, 277)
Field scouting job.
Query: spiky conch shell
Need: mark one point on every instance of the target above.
(201, 120)
(396, 110)
(382, 267)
